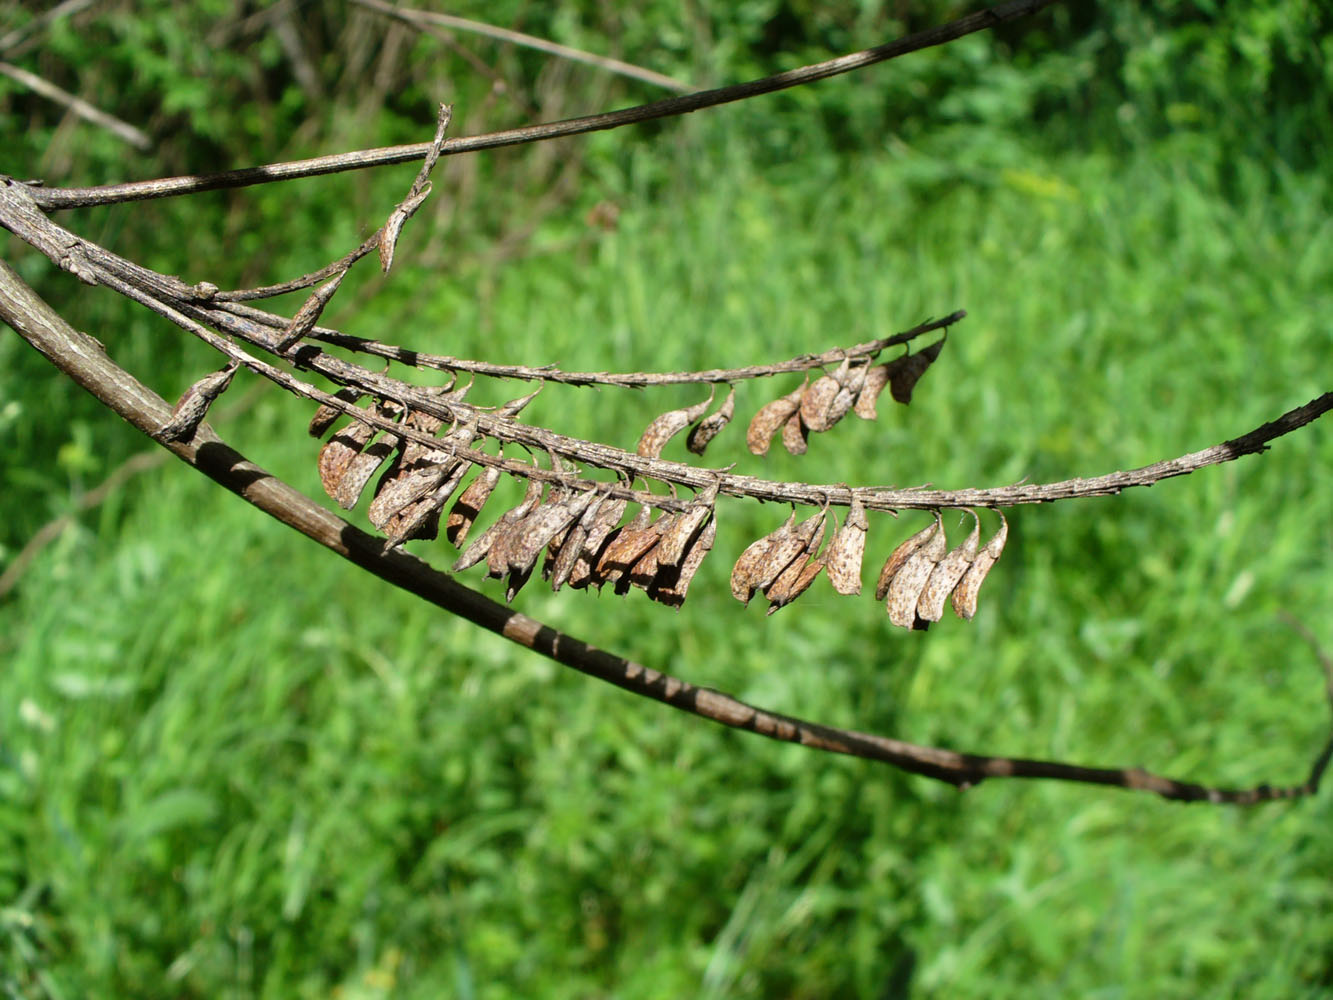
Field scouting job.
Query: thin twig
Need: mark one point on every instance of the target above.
(419, 18)
(120, 129)
(109, 194)
(632, 380)
(80, 358)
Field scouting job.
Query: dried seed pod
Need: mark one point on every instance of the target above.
(906, 586)
(308, 315)
(325, 415)
(668, 425)
(497, 559)
(945, 576)
(418, 479)
(794, 434)
(817, 404)
(676, 540)
(801, 540)
(794, 581)
(769, 419)
(847, 550)
(337, 454)
(421, 518)
(744, 575)
(645, 569)
(601, 521)
(359, 470)
(900, 555)
(538, 528)
(965, 594)
(905, 372)
(710, 426)
(876, 378)
(469, 504)
(673, 582)
(568, 555)
(626, 546)
(189, 411)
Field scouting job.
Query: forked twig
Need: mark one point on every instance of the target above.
(81, 358)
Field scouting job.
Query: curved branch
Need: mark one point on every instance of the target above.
(630, 380)
(110, 194)
(80, 357)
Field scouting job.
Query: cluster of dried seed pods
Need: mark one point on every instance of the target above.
(923, 572)
(587, 546)
(414, 489)
(818, 405)
(920, 575)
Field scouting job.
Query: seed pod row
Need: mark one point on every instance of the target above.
(817, 406)
(923, 572)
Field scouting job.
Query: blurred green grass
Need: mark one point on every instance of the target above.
(231, 766)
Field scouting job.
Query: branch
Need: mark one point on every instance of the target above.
(109, 194)
(417, 18)
(122, 130)
(81, 358)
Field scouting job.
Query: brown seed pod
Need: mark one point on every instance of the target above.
(794, 434)
(945, 576)
(906, 586)
(847, 550)
(497, 558)
(900, 555)
(907, 370)
(673, 582)
(769, 419)
(337, 454)
(189, 411)
(538, 528)
(600, 522)
(676, 539)
(469, 504)
(794, 581)
(668, 425)
(802, 540)
(710, 426)
(644, 571)
(818, 411)
(965, 594)
(744, 575)
(626, 546)
(570, 551)
(308, 315)
(875, 379)
(421, 517)
(361, 468)
(418, 475)
(325, 415)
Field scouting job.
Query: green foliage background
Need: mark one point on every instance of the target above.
(230, 766)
